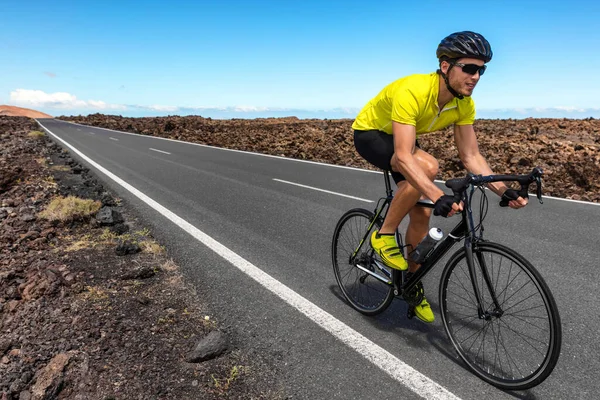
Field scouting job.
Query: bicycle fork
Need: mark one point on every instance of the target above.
(497, 312)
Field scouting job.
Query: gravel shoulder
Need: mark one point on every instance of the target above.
(93, 307)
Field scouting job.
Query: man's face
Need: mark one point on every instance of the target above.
(461, 81)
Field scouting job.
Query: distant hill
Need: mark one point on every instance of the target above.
(12, 111)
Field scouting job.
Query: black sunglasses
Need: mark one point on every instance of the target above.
(471, 69)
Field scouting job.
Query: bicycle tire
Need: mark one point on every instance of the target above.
(518, 337)
(365, 293)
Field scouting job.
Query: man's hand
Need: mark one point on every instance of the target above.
(446, 207)
(514, 200)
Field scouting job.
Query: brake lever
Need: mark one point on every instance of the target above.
(457, 197)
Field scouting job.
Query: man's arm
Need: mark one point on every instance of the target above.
(468, 151)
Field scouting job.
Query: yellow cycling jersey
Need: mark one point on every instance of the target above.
(413, 100)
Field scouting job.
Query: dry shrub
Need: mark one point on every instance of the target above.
(70, 208)
(150, 246)
(36, 134)
(169, 265)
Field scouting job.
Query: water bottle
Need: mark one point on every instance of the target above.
(420, 253)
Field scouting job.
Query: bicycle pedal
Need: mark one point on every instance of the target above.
(410, 313)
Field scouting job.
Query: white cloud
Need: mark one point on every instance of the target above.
(540, 112)
(570, 109)
(60, 100)
(250, 109)
(161, 108)
(39, 99)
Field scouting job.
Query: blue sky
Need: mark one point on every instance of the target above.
(308, 58)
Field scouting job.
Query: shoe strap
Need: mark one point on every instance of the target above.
(391, 250)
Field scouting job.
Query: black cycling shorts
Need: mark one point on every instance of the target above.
(377, 147)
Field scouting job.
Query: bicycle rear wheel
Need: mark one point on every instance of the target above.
(516, 346)
(362, 278)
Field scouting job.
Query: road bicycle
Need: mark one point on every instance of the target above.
(496, 308)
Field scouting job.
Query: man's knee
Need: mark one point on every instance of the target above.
(428, 163)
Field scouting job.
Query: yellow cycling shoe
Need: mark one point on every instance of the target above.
(423, 312)
(387, 248)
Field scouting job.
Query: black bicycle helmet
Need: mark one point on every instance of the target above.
(464, 44)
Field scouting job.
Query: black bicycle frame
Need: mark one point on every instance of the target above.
(380, 211)
(464, 229)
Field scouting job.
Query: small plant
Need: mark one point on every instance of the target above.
(209, 323)
(70, 208)
(143, 232)
(151, 247)
(169, 265)
(108, 236)
(224, 384)
(95, 293)
(36, 134)
(49, 180)
(84, 242)
(166, 320)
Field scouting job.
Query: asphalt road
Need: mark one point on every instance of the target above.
(257, 247)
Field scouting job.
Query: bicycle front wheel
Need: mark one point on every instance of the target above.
(361, 276)
(516, 343)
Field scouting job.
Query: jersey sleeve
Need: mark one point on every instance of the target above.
(405, 108)
(466, 113)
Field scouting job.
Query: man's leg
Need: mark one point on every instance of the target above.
(378, 148)
(407, 196)
(417, 229)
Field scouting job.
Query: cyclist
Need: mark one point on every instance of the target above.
(386, 132)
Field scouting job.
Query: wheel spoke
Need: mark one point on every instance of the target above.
(521, 301)
(526, 320)
(468, 301)
(524, 337)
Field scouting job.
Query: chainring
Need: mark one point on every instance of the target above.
(415, 296)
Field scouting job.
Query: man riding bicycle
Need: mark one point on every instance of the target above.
(386, 132)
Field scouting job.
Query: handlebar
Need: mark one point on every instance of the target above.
(460, 185)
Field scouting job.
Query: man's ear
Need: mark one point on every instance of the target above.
(444, 65)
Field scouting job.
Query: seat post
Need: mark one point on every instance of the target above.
(388, 187)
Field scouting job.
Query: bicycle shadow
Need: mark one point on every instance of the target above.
(394, 320)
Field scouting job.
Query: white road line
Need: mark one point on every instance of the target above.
(396, 368)
(115, 139)
(323, 190)
(160, 151)
(296, 160)
(92, 133)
